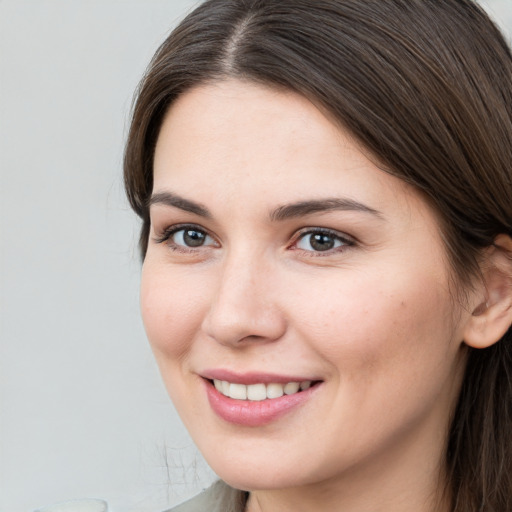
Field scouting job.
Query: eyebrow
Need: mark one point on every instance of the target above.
(284, 212)
(302, 208)
(169, 199)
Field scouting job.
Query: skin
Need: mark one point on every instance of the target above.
(373, 318)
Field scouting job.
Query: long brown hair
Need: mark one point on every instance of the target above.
(426, 87)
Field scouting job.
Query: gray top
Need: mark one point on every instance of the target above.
(217, 498)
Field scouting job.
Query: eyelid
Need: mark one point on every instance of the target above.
(347, 240)
(169, 231)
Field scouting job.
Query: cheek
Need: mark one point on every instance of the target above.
(172, 310)
(391, 353)
(370, 322)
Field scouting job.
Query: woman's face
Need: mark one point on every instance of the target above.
(279, 254)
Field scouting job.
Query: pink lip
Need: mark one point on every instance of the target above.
(255, 413)
(253, 377)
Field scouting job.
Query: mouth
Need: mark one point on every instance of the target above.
(256, 404)
(260, 391)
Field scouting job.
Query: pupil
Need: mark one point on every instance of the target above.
(193, 238)
(321, 242)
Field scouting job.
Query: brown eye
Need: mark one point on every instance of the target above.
(321, 241)
(190, 237)
(193, 237)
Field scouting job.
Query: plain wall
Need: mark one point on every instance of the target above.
(83, 412)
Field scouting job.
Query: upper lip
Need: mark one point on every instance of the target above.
(253, 377)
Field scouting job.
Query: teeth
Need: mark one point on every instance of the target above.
(238, 391)
(258, 392)
(275, 390)
(291, 388)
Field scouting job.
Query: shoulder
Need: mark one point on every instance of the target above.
(217, 498)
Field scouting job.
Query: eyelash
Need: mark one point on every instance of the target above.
(172, 230)
(346, 242)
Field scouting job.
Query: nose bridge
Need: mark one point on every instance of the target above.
(243, 306)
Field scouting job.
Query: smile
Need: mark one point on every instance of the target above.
(260, 391)
(257, 403)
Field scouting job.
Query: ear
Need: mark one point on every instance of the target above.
(492, 308)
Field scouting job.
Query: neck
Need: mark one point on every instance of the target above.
(354, 500)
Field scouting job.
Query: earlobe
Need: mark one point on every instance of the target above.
(492, 315)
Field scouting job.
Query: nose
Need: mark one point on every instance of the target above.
(245, 306)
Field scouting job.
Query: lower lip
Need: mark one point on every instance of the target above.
(255, 413)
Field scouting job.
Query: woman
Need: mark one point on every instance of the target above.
(325, 192)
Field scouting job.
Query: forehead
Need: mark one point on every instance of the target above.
(213, 119)
(232, 142)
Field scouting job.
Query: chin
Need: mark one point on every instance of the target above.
(258, 479)
(261, 472)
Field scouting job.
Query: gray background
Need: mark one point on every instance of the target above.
(82, 410)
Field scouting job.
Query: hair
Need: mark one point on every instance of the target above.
(426, 87)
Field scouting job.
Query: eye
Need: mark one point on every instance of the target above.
(191, 238)
(321, 241)
(186, 237)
